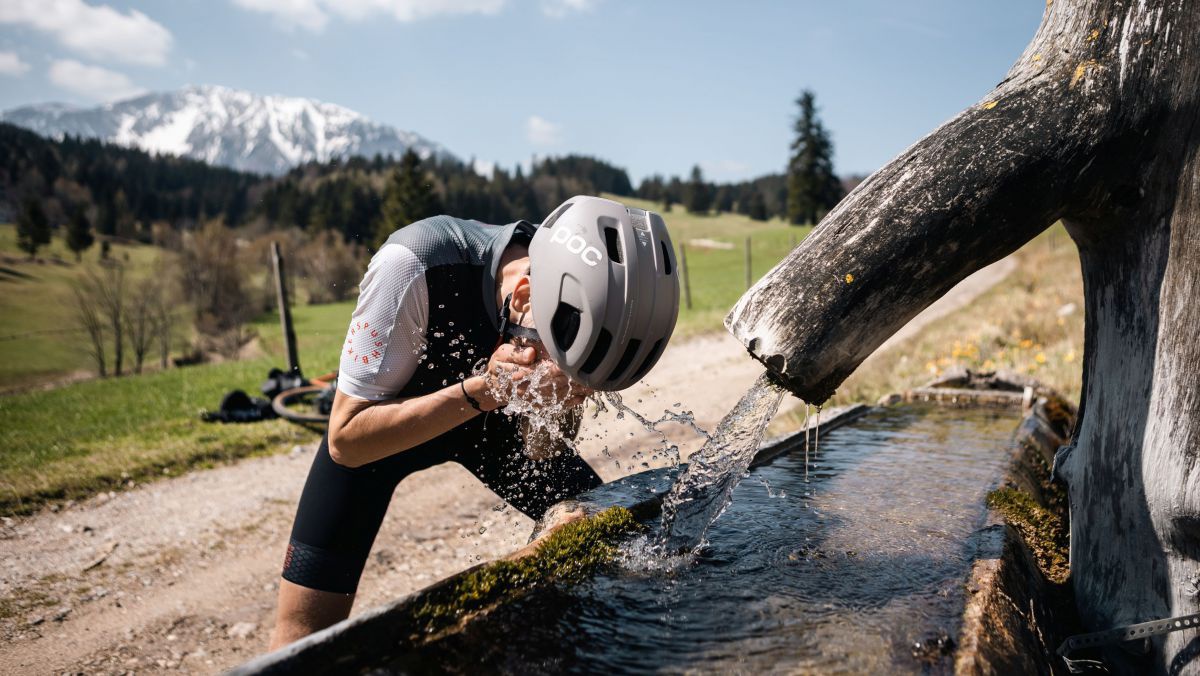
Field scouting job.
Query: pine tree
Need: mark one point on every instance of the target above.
(723, 199)
(79, 233)
(33, 228)
(124, 226)
(698, 197)
(813, 189)
(106, 221)
(758, 207)
(408, 197)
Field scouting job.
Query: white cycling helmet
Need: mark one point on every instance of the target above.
(605, 290)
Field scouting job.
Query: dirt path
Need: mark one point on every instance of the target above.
(181, 574)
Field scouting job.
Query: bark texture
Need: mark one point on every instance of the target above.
(1096, 124)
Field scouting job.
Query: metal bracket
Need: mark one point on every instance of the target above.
(1132, 632)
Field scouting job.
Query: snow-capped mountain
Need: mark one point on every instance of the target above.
(227, 127)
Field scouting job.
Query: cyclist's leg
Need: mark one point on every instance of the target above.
(338, 517)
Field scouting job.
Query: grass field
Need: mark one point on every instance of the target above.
(36, 315)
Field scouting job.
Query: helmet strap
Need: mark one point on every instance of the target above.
(510, 329)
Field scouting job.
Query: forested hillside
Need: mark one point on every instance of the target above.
(125, 190)
(129, 193)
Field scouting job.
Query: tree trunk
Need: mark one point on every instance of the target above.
(1097, 124)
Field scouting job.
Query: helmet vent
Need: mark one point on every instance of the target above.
(612, 238)
(554, 217)
(666, 258)
(649, 360)
(626, 359)
(599, 351)
(564, 326)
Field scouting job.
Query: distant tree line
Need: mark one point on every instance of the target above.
(120, 191)
(92, 189)
(802, 195)
(367, 199)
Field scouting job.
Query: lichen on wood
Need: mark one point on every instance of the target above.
(568, 555)
(1044, 532)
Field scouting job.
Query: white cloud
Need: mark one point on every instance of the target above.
(313, 15)
(561, 8)
(291, 13)
(93, 82)
(97, 31)
(11, 64)
(542, 132)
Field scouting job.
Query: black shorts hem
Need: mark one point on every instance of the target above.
(319, 569)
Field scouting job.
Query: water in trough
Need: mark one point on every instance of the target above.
(854, 562)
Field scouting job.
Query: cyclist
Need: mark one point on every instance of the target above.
(455, 322)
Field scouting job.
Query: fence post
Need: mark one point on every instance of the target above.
(285, 311)
(749, 275)
(683, 270)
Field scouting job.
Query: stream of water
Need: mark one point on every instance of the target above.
(701, 494)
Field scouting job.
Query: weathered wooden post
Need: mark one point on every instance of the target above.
(683, 269)
(1098, 123)
(285, 310)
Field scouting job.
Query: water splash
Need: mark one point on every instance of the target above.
(548, 423)
(705, 488)
(667, 449)
(686, 418)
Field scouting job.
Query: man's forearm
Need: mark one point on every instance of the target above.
(361, 432)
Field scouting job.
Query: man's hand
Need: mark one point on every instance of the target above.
(508, 364)
(528, 374)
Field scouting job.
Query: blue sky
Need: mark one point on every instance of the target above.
(653, 86)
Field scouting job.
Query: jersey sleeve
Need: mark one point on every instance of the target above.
(387, 330)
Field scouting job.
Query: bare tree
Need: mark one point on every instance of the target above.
(164, 327)
(108, 291)
(1097, 124)
(213, 277)
(161, 309)
(87, 312)
(330, 267)
(139, 320)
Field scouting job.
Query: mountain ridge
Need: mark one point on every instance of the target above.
(264, 134)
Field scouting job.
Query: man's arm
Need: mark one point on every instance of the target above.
(363, 431)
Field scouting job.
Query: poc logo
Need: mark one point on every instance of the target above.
(577, 245)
